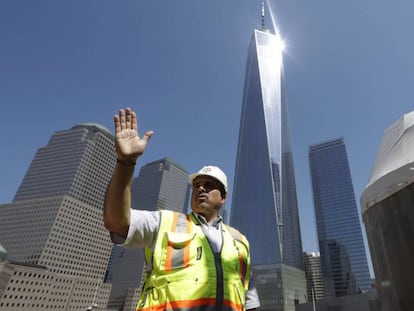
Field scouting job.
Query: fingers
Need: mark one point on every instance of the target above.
(134, 125)
(127, 119)
(147, 136)
(119, 121)
(122, 119)
(117, 124)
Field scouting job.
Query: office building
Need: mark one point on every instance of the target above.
(387, 211)
(161, 184)
(264, 203)
(314, 277)
(343, 256)
(55, 226)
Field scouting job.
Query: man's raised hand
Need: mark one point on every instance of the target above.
(129, 146)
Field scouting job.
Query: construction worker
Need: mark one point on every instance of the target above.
(194, 261)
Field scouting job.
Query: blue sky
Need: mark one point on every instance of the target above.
(349, 71)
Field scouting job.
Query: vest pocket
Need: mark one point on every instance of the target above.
(177, 251)
(152, 297)
(179, 239)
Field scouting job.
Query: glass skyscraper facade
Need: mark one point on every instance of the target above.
(264, 203)
(343, 256)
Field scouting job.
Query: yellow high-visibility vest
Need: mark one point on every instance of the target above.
(187, 275)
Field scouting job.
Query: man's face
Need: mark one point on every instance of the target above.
(206, 196)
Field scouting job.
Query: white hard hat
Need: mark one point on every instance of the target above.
(212, 171)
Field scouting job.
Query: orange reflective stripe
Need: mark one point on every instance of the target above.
(237, 236)
(174, 222)
(241, 263)
(191, 303)
(203, 304)
(170, 249)
(187, 246)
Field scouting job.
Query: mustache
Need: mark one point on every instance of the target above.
(201, 195)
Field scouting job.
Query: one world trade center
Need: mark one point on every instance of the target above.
(264, 203)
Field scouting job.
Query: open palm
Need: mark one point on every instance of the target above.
(128, 144)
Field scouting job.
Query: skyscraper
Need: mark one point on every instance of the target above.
(314, 277)
(161, 184)
(343, 256)
(264, 203)
(55, 220)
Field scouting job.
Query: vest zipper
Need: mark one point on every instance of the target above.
(219, 271)
(219, 276)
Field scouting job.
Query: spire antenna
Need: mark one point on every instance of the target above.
(263, 15)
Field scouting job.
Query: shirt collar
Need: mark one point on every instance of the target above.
(216, 223)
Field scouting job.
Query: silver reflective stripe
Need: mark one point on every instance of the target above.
(234, 233)
(181, 223)
(178, 255)
(177, 259)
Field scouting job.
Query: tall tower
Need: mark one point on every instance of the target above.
(264, 203)
(343, 256)
(55, 220)
(161, 184)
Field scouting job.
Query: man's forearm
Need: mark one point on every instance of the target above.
(117, 202)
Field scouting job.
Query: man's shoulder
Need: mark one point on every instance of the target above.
(237, 235)
(170, 212)
(173, 216)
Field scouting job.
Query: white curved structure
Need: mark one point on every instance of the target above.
(394, 167)
(388, 213)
